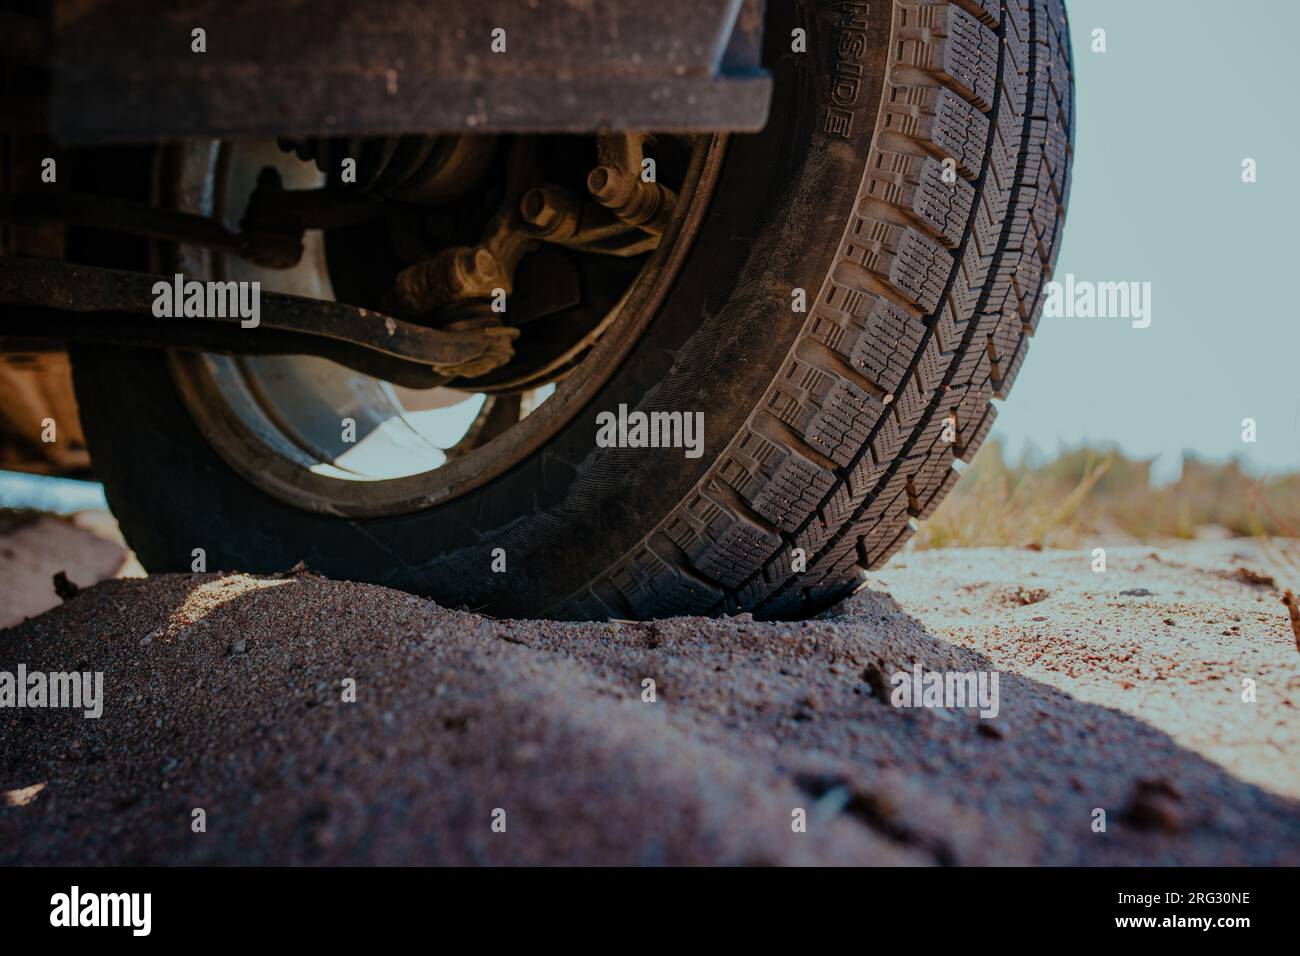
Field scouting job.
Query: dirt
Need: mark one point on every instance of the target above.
(227, 694)
(1166, 636)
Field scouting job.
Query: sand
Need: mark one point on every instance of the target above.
(478, 741)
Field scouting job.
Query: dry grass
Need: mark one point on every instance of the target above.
(1086, 492)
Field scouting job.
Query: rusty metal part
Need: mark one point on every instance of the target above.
(557, 216)
(272, 227)
(458, 273)
(551, 213)
(60, 302)
(632, 199)
(125, 70)
(275, 218)
(627, 223)
(470, 272)
(618, 183)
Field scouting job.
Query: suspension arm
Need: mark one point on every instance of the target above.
(45, 301)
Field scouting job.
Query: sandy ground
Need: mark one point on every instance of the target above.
(1168, 637)
(226, 694)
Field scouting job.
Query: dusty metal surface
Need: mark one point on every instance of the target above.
(280, 67)
(50, 301)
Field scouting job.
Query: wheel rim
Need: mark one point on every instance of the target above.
(282, 422)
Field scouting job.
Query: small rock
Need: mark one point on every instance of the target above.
(1155, 805)
(1256, 578)
(1293, 608)
(237, 646)
(805, 708)
(875, 679)
(1025, 596)
(64, 588)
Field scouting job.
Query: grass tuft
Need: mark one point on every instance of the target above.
(1086, 492)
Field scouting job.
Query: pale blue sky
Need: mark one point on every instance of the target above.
(1184, 92)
